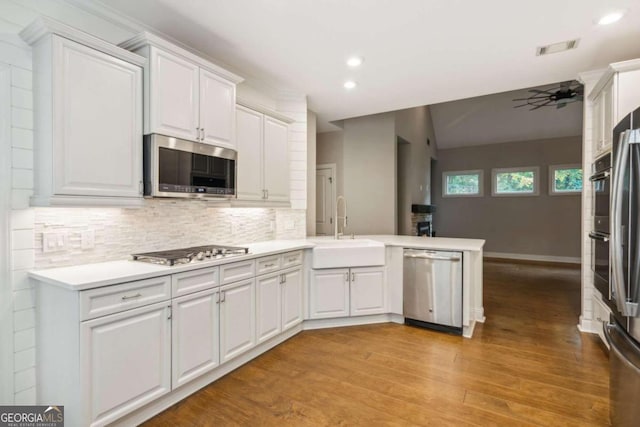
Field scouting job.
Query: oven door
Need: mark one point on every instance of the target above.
(601, 180)
(600, 262)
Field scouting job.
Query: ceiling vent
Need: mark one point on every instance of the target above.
(557, 47)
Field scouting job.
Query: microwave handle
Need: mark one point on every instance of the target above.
(598, 236)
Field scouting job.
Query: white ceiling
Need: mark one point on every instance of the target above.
(492, 119)
(417, 52)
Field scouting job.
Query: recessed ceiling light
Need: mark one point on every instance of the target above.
(610, 18)
(350, 84)
(354, 61)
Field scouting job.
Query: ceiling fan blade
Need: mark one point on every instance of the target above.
(531, 98)
(538, 91)
(522, 105)
(542, 105)
(566, 85)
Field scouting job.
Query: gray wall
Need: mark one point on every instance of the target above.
(379, 176)
(541, 225)
(413, 127)
(369, 170)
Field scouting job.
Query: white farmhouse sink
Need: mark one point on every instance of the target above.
(347, 253)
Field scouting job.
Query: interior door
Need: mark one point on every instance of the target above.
(325, 195)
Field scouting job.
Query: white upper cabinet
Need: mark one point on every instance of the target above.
(263, 156)
(249, 144)
(173, 109)
(187, 97)
(613, 97)
(88, 118)
(217, 107)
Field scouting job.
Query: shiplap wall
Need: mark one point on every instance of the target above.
(15, 15)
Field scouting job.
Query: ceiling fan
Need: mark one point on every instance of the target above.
(558, 96)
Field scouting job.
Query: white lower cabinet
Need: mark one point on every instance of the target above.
(195, 336)
(237, 318)
(125, 361)
(367, 291)
(292, 298)
(279, 303)
(343, 292)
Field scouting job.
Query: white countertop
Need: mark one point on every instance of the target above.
(88, 276)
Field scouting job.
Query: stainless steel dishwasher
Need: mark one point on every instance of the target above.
(432, 289)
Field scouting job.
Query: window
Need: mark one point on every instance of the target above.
(521, 181)
(565, 179)
(462, 183)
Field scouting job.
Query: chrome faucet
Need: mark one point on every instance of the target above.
(337, 235)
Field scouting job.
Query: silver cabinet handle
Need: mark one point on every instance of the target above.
(202, 137)
(284, 278)
(353, 277)
(269, 265)
(267, 190)
(293, 259)
(437, 258)
(170, 315)
(223, 296)
(598, 236)
(346, 277)
(126, 297)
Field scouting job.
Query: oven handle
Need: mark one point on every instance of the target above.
(599, 236)
(600, 176)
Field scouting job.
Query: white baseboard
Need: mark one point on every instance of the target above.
(532, 257)
(586, 325)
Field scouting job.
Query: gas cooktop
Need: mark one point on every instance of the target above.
(193, 254)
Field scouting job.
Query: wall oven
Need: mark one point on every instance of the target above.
(601, 181)
(177, 168)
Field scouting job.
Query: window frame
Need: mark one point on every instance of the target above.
(553, 168)
(478, 172)
(536, 181)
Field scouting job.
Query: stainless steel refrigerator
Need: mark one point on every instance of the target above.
(623, 330)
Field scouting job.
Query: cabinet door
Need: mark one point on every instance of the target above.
(329, 293)
(194, 336)
(276, 160)
(249, 129)
(174, 104)
(97, 123)
(237, 319)
(367, 291)
(607, 116)
(292, 299)
(597, 125)
(268, 319)
(217, 109)
(126, 361)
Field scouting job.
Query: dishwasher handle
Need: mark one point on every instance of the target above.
(432, 257)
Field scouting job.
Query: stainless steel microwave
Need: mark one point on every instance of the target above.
(178, 168)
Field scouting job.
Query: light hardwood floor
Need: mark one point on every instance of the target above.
(527, 365)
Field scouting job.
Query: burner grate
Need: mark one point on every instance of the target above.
(186, 255)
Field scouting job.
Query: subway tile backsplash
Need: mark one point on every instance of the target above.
(159, 224)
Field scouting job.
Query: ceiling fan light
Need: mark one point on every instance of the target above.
(610, 18)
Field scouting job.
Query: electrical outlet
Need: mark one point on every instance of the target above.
(54, 241)
(88, 239)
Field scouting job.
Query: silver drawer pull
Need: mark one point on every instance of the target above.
(269, 265)
(124, 298)
(293, 259)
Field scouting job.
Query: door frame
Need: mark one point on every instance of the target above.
(6, 291)
(334, 187)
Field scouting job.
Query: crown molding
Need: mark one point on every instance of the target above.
(44, 26)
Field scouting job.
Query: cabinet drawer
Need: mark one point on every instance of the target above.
(268, 264)
(194, 281)
(237, 271)
(113, 299)
(291, 259)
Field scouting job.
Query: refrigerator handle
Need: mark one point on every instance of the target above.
(610, 330)
(633, 243)
(617, 239)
